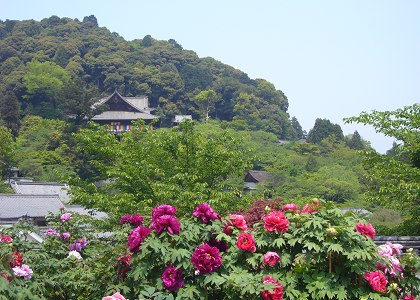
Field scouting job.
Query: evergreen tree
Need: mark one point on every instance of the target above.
(355, 142)
(322, 129)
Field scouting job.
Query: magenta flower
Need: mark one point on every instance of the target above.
(6, 239)
(170, 223)
(78, 245)
(205, 213)
(116, 296)
(377, 281)
(162, 210)
(23, 271)
(409, 298)
(172, 278)
(206, 259)
(134, 219)
(50, 231)
(276, 220)
(136, 238)
(290, 207)
(64, 217)
(366, 229)
(271, 258)
(65, 235)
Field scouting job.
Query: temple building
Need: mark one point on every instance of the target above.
(121, 111)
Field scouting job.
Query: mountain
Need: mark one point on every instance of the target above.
(44, 64)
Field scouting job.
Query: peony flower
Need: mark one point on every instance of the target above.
(75, 254)
(136, 237)
(206, 259)
(409, 298)
(16, 259)
(64, 217)
(135, 220)
(6, 239)
(221, 245)
(79, 244)
(396, 248)
(238, 221)
(162, 210)
(276, 294)
(205, 213)
(366, 230)
(124, 267)
(377, 281)
(271, 258)
(23, 271)
(65, 235)
(276, 220)
(170, 223)
(172, 278)
(290, 207)
(384, 250)
(246, 242)
(116, 296)
(50, 231)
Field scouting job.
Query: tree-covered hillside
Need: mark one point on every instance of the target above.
(45, 65)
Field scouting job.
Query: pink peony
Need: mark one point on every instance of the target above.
(409, 298)
(116, 296)
(246, 242)
(134, 219)
(65, 235)
(377, 281)
(205, 213)
(396, 248)
(271, 258)
(50, 231)
(136, 237)
(172, 278)
(206, 259)
(290, 207)
(276, 294)
(237, 221)
(162, 210)
(276, 220)
(23, 271)
(170, 223)
(64, 217)
(6, 239)
(366, 230)
(384, 250)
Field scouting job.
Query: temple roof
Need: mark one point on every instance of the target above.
(41, 188)
(123, 115)
(14, 206)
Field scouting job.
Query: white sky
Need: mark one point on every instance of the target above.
(332, 59)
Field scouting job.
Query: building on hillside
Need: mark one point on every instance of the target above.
(41, 188)
(122, 111)
(179, 118)
(254, 177)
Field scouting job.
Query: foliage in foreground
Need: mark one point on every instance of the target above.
(268, 252)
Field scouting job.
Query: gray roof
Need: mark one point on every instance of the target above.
(123, 115)
(41, 188)
(140, 102)
(256, 176)
(14, 206)
(78, 209)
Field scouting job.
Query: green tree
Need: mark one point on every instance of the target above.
(322, 129)
(355, 141)
(7, 151)
(146, 168)
(9, 110)
(394, 180)
(205, 100)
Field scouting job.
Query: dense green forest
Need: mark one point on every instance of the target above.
(52, 71)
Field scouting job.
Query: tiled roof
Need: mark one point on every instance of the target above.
(123, 115)
(256, 176)
(14, 206)
(41, 188)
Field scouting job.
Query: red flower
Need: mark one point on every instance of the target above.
(16, 259)
(290, 207)
(172, 278)
(276, 220)
(246, 242)
(205, 213)
(136, 238)
(6, 277)
(311, 207)
(366, 230)
(409, 298)
(276, 294)
(6, 239)
(206, 259)
(377, 281)
(271, 258)
(124, 266)
(134, 219)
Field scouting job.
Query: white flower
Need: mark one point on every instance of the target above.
(75, 254)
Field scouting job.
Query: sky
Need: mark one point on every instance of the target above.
(333, 59)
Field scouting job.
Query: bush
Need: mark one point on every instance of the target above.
(309, 253)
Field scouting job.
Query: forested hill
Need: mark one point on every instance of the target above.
(51, 68)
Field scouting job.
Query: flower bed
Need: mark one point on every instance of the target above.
(277, 252)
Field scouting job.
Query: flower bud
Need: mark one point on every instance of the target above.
(267, 209)
(332, 231)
